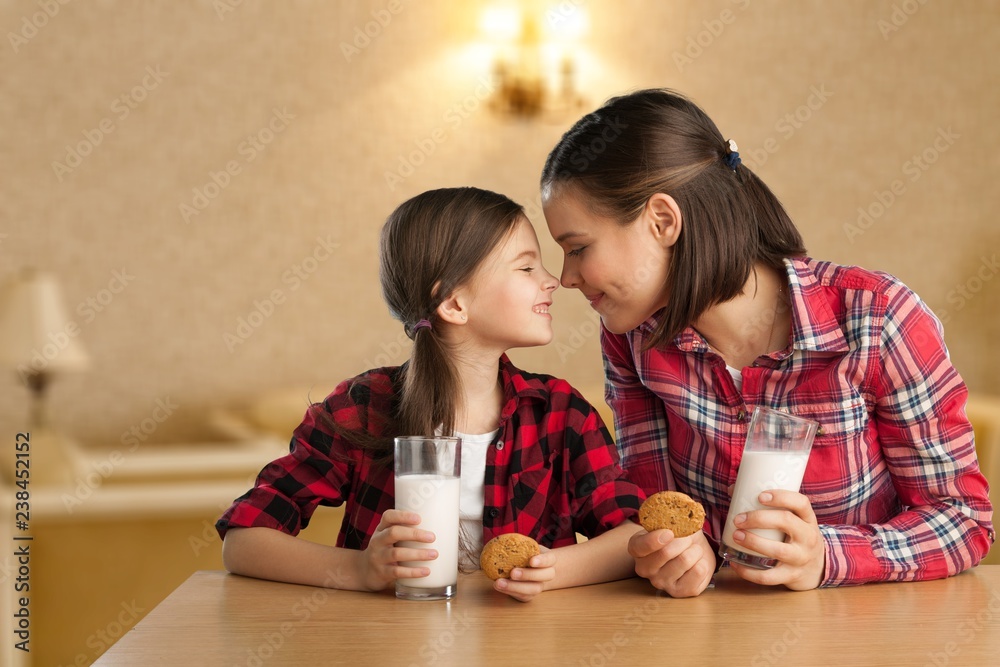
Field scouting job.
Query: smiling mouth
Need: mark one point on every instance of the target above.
(595, 299)
(541, 309)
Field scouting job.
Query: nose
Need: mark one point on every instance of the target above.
(569, 278)
(550, 282)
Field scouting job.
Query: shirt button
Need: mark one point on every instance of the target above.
(741, 415)
(494, 512)
(499, 445)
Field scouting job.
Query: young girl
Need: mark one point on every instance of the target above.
(710, 307)
(461, 268)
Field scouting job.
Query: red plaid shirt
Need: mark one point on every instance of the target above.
(893, 476)
(553, 470)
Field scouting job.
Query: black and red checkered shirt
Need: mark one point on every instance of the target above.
(552, 471)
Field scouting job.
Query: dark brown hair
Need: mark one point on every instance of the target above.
(657, 140)
(432, 245)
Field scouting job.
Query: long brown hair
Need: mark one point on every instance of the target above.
(657, 140)
(430, 246)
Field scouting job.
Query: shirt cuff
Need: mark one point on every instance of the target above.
(849, 558)
(249, 513)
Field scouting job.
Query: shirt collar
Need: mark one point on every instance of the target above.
(688, 340)
(517, 385)
(814, 325)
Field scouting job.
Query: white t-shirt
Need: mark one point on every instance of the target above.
(737, 378)
(474, 448)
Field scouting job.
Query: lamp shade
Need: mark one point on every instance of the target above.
(36, 334)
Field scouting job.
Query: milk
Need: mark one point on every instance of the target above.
(763, 471)
(435, 498)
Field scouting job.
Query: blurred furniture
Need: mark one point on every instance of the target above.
(984, 413)
(126, 527)
(38, 341)
(216, 618)
(131, 528)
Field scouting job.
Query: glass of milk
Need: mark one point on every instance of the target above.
(427, 479)
(774, 457)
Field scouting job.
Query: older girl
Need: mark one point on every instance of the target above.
(710, 307)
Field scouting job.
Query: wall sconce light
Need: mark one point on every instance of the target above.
(535, 57)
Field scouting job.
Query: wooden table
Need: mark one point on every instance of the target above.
(221, 619)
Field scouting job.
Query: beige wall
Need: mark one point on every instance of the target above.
(322, 176)
(214, 77)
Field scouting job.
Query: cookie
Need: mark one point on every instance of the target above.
(505, 552)
(673, 510)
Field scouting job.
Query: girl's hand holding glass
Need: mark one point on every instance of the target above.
(380, 561)
(801, 557)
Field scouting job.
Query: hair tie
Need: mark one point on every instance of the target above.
(422, 324)
(732, 158)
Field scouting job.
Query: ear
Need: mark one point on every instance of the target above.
(662, 217)
(454, 309)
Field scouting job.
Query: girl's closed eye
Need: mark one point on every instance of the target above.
(576, 252)
(528, 269)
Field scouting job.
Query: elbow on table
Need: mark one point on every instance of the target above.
(984, 545)
(235, 550)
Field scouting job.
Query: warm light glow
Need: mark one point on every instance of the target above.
(566, 22)
(534, 51)
(501, 23)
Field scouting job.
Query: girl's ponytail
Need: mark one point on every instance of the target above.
(430, 385)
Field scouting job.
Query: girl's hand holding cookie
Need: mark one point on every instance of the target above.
(380, 566)
(801, 558)
(674, 553)
(680, 566)
(518, 565)
(527, 582)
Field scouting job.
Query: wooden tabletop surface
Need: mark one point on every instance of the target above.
(220, 619)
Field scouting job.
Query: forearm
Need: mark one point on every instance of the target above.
(919, 544)
(265, 553)
(603, 558)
